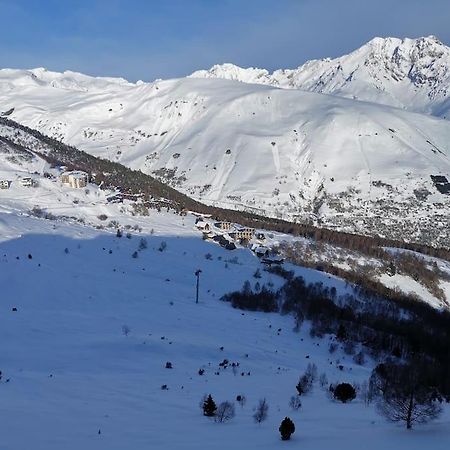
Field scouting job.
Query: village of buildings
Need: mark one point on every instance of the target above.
(76, 179)
(228, 234)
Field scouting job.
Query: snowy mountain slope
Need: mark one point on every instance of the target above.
(301, 156)
(74, 379)
(413, 74)
(48, 197)
(70, 377)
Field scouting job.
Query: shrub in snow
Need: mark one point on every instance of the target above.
(364, 393)
(134, 255)
(307, 380)
(344, 392)
(299, 319)
(119, 233)
(224, 412)
(295, 403)
(169, 365)
(257, 273)
(359, 358)
(126, 330)
(241, 400)
(261, 411)
(311, 372)
(143, 244)
(162, 246)
(287, 428)
(323, 380)
(333, 347)
(209, 406)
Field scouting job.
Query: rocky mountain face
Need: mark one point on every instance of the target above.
(413, 74)
(303, 156)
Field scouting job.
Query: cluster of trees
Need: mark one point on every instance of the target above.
(404, 263)
(401, 329)
(225, 411)
(263, 300)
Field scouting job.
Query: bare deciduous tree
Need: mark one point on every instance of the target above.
(295, 403)
(406, 395)
(261, 411)
(225, 412)
(409, 407)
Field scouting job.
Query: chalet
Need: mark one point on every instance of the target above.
(273, 259)
(4, 184)
(75, 179)
(226, 226)
(261, 252)
(224, 241)
(26, 181)
(203, 226)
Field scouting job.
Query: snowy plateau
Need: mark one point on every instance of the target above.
(103, 345)
(349, 144)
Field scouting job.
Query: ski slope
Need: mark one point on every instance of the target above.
(73, 374)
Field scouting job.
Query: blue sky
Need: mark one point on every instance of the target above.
(140, 39)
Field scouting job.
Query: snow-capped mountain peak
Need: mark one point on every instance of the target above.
(413, 74)
(230, 71)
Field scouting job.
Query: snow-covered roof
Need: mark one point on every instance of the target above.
(76, 174)
(202, 224)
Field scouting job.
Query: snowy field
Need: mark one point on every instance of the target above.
(74, 374)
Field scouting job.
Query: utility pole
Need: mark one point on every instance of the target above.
(197, 274)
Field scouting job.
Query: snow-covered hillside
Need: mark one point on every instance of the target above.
(413, 74)
(87, 331)
(286, 153)
(89, 320)
(45, 195)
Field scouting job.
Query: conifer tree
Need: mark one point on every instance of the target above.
(209, 407)
(287, 428)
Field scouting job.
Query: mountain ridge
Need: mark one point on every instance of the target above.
(301, 156)
(372, 73)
